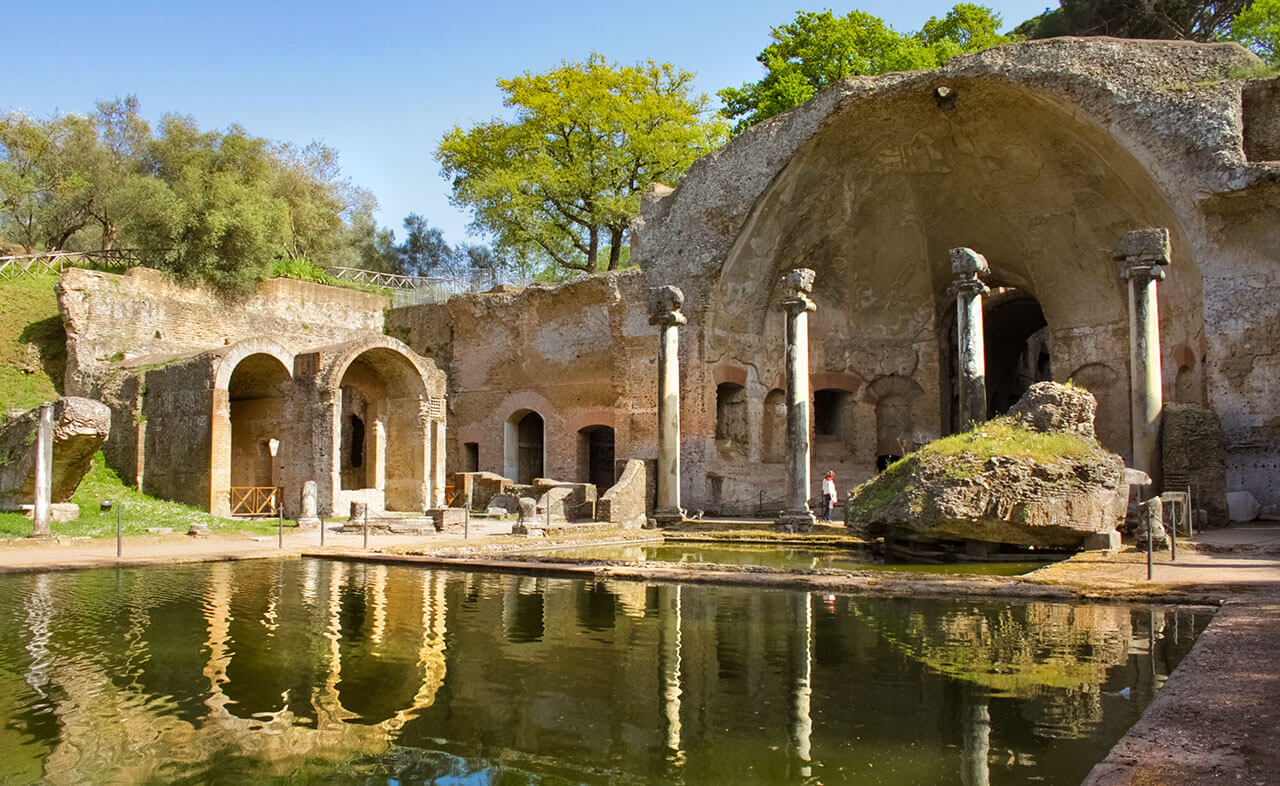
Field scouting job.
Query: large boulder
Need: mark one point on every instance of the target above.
(80, 426)
(1035, 478)
(1048, 406)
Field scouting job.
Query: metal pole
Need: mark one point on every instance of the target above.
(119, 529)
(466, 523)
(1150, 545)
(1191, 527)
(366, 527)
(322, 533)
(280, 512)
(1173, 535)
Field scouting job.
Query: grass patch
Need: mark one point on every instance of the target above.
(140, 512)
(1000, 437)
(33, 345)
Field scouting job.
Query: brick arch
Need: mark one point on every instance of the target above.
(225, 366)
(223, 440)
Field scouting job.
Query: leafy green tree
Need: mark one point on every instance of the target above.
(424, 251)
(208, 213)
(322, 204)
(1258, 27)
(816, 49)
(44, 188)
(563, 180)
(1192, 20)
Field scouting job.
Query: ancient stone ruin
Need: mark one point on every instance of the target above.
(1093, 210)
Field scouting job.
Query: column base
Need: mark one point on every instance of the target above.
(668, 517)
(796, 520)
(309, 522)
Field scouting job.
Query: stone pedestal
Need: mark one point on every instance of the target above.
(40, 514)
(968, 290)
(795, 303)
(664, 311)
(1145, 254)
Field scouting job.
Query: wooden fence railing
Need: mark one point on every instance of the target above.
(255, 500)
(53, 262)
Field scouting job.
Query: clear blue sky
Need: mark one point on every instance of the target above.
(382, 81)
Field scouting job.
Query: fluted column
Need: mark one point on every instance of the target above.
(968, 289)
(664, 311)
(796, 286)
(1145, 254)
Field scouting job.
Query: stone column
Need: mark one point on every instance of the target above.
(795, 302)
(44, 474)
(1145, 254)
(968, 289)
(664, 311)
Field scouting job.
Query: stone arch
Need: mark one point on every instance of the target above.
(252, 421)
(890, 181)
(1018, 346)
(398, 398)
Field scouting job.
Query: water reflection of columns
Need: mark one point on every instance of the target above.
(217, 620)
(976, 745)
(802, 695)
(378, 591)
(669, 667)
(39, 617)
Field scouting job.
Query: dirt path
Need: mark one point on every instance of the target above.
(1216, 720)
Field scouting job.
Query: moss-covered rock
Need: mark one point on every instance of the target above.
(1004, 481)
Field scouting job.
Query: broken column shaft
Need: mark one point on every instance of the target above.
(968, 290)
(664, 311)
(1145, 254)
(795, 302)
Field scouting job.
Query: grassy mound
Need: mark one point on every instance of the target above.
(33, 345)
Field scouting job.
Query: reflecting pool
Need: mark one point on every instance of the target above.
(337, 672)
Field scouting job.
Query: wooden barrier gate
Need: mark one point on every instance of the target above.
(255, 500)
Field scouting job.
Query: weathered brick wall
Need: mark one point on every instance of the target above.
(579, 355)
(142, 313)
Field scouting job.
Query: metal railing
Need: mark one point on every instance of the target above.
(409, 290)
(255, 500)
(20, 265)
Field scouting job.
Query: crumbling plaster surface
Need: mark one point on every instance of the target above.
(1050, 153)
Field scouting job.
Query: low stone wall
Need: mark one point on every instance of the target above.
(624, 503)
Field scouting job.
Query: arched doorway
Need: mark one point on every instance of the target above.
(257, 393)
(524, 451)
(383, 446)
(595, 456)
(1017, 342)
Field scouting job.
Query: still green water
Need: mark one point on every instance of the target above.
(335, 672)
(782, 558)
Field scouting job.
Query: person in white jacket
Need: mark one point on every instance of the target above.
(828, 494)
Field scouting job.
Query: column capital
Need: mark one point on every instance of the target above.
(1144, 254)
(969, 284)
(664, 306)
(796, 286)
